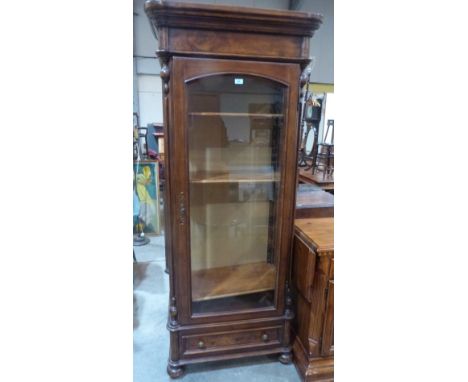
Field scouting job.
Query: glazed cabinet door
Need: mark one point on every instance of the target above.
(234, 144)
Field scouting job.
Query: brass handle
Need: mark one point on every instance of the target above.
(265, 337)
(201, 344)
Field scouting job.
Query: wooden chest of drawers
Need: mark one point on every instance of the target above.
(313, 280)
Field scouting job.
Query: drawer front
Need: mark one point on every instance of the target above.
(212, 342)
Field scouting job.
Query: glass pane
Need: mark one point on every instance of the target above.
(235, 125)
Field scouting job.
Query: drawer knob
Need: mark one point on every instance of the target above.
(265, 337)
(201, 344)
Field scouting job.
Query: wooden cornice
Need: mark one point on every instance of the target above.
(229, 18)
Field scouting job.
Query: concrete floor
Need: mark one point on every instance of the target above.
(151, 339)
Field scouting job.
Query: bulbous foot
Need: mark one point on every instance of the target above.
(175, 371)
(285, 358)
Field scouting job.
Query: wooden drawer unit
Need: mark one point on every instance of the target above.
(225, 341)
(313, 278)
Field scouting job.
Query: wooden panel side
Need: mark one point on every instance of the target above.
(179, 190)
(201, 344)
(303, 267)
(318, 369)
(320, 232)
(318, 305)
(328, 327)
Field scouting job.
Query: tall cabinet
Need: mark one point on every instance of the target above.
(231, 83)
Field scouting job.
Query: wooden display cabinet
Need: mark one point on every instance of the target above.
(231, 81)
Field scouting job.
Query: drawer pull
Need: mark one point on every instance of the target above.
(265, 337)
(201, 344)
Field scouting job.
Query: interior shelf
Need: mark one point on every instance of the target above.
(259, 115)
(241, 177)
(236, 280)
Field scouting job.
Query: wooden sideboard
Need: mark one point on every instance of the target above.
(313, 281)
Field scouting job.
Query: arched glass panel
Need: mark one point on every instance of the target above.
(235, 130)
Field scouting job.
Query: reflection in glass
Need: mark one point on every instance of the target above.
(235, 126)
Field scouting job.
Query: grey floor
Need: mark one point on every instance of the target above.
(151, 339)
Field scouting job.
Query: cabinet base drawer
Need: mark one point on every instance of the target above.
(200, 344)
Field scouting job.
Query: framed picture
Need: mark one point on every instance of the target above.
(260, 124)
(261, 137)
(146, 211)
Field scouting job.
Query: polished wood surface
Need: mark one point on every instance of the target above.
(313, 202)
(231, 18)
(235, 32)
(198, 41)
(318, 232)
(232, 281)
(313, 279)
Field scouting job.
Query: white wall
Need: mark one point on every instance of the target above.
(321, 45)
(150, 98)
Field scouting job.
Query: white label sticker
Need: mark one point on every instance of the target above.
(238, 81)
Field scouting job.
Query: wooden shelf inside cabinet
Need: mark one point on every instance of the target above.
(252, 115)
(243, 177)
(234, 280)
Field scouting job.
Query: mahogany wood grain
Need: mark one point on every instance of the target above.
(232, 32)
(328, 332)
(198, 41)
(225, 18)
(319, 233)
(304, 267)
(209, 343)
(313, 202)
(207, 41)
(312, 369)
